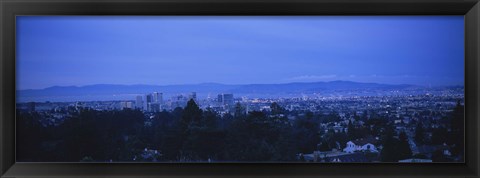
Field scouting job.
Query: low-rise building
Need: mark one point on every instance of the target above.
(367, 144)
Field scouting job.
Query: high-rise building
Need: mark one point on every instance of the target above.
(148, 102)
(139, 102)
(149, 98)
(126, 104)
(157, 97)
(220, 98)
(228, 99)
(178, 101)
(155, 107)
(225, 99)
(160, 99)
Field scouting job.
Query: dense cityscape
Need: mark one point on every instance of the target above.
(316, 89)
(423, 127)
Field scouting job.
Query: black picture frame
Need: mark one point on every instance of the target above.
(11, 8)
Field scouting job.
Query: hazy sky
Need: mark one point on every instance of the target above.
(163, 50)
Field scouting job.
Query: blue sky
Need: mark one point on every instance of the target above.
(164, 50)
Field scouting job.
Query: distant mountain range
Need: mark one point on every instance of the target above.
(212, 88)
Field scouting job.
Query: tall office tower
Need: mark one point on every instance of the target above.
(225, 99)
(139, 102)
(220, 98)
(149, 98)
(154, 107)
(122, 105)
(130, 105)
(126, 104)
(228, 99)
(148, 102)
(156, 97)
(160, 99)
(156, 102)
(178, 101)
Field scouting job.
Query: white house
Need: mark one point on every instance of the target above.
(361, 145)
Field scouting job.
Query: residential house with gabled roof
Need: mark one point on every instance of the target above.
(366, 144)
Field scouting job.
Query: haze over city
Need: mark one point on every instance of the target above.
(66, 51)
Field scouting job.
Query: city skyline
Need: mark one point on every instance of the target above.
(105, 92)
(79, 51)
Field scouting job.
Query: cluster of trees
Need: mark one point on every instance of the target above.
(184, 134)
(395, 149)
(191, 134)
(450, 132)
(101, 135)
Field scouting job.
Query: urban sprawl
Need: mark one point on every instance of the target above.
(403, 128)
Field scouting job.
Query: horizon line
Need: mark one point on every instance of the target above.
(79, 86)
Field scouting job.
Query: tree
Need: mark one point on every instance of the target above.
(439, 136)
(403, 147)
(30, 134)
(276, 109)
(259, 138)
(332, 117)
(356, 117)
(388, 153)
(306, 132)
(239, 111)
(339, 138)
(191, 113)
(364, 117)
(309, 115)
(210, 120)
(324, 146)
(204, 143)
(261, 127)
(458, 129)
(377, 126)
(205, 140)
(172, 143)
(419, 133)
(351, 132)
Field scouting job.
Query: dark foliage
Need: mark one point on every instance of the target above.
(419, 134)
(191, 134)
